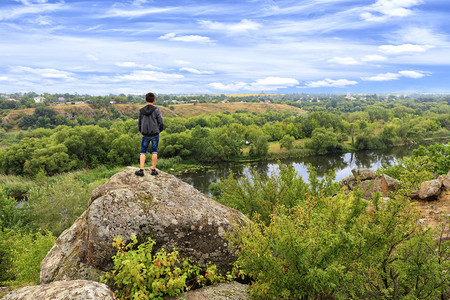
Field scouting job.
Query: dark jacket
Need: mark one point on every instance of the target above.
(150, 121)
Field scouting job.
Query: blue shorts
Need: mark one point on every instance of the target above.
(146, 142)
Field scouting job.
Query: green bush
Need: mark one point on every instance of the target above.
(21, 256)
(259, 195)
(58, 202)
(331, 248)
(139, 274)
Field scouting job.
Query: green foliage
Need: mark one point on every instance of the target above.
(257, 196)
(324, 141)
(21, 255)
(57, 203)
(139, 274)
(11, 215)
(287, 142)
(438, 155)
(332, 248)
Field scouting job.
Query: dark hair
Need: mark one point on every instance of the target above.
(150, 97)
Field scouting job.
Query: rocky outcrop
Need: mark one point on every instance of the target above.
(369, 182)
(63, 290)
(223, 291)
(171, 212)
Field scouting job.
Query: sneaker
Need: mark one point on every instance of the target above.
(154, 172)
(139, 173)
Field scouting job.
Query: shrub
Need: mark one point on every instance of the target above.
(22, 256)
(138, 274)
(332, 248)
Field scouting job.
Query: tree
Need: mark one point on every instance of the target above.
(287, 142)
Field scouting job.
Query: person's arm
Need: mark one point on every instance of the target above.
(139, 121)
(160, 121)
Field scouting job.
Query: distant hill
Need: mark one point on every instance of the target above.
(179, 110)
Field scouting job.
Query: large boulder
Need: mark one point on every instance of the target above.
(170, 211)
(430, 189)
(63, 290)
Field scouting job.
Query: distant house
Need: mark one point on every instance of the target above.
(224, 101)
(61, 99)
(12, 99)
(267, 101)
(112, 102)
(39, 99)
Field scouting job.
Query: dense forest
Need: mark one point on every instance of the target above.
(51, 159)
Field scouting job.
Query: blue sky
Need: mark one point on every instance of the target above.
(225, 47)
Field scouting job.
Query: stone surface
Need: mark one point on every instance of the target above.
(391, 183)
(63, 290)
(430, 189)
(371, 187)
(223, 291)
(364, 174)
(170, 211)
(446, 181)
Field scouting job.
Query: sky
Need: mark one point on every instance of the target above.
(102, 47)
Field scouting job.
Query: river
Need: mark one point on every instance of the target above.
(342, 163)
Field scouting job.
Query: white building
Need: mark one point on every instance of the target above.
(39, 99)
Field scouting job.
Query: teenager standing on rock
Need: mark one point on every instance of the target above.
(150, 125)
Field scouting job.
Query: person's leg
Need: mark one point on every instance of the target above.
(154, 159)
(142, 161)
(144, 146)
(155, 142)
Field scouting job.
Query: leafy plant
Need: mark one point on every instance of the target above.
(139, 274)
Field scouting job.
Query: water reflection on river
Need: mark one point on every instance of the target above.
(342, 163)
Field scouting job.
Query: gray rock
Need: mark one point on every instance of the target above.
(391, 183)
(62, 290)
(430, 189)
(446, 181)
(222, 291)
(364, 174)
(371, 187)
(170, 211)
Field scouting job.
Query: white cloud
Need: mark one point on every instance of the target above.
(267, 84)
(92, 57)
(383, 9)
(331, 83)
(182, 62)
(150, 76)
(374, 57)
(402, 49)
(185, 38)
(243, 26)
(383, 77)
(132, 13)
(3, 78)
(420, 35)
(344, 60)
(195, 71)
(30, 9)
(45, 72)
(276, 81)
(394, 76)
(413, 74)
(127, 64)
(131, 64)
(227, 87)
